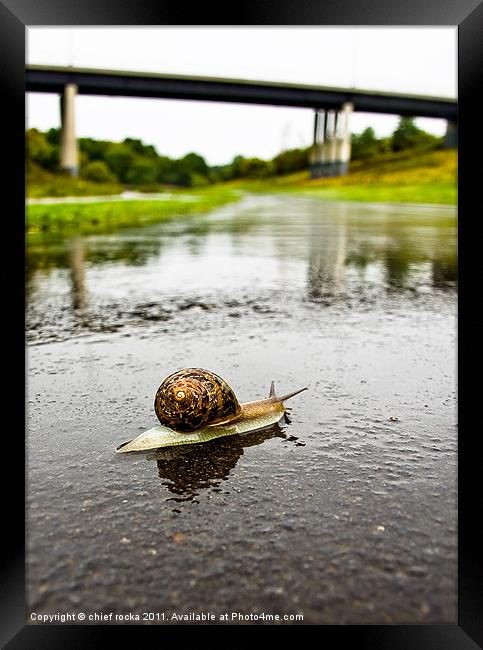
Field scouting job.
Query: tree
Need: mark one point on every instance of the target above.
(364, 144)
(163, 164)
(53, 137)
(143, 171)
(237, 166)
(40, 151)
(140, 148)
(94, 149)
(177, 173)
(195, 163)
(120, 157)
(407, 134)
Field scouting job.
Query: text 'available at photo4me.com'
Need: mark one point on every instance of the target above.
(163, 617)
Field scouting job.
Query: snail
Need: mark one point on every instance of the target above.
(195, 405)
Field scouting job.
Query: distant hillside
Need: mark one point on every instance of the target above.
(110, 167)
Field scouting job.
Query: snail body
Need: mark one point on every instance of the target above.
(196, 405)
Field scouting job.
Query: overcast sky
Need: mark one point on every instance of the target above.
(413, 59)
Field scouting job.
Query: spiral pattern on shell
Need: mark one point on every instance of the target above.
(192, 398)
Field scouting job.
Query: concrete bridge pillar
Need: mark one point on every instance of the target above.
(317, 153)
(69, 153)
(321, 151)
(343, 154)
(332, 142)
(451, 138)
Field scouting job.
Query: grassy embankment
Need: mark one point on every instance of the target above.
(41, 183)
(64, 219)
(405, 177)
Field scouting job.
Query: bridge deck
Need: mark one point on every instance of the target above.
(52, 79)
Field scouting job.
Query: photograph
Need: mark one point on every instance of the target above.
(243, 374)
(240, 258)
(241, 294)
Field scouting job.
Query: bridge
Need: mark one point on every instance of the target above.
(332, 106)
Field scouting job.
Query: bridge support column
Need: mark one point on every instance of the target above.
(332, 143)
(343, 154)
(69, 154)
(320, 154)
(451, 138)
(315, 155)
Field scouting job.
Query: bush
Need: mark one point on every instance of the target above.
(292, 160)
(198, 180)
(256, 168)
(97, 171)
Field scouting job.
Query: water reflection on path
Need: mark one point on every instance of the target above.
(187, 471)
(262, 255)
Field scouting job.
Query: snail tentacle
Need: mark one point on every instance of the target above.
(272, 390)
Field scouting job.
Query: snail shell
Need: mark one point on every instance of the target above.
(193, 398)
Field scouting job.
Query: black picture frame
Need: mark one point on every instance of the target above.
(15, 16)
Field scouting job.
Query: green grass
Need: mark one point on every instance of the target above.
(64, 219)
(407, 177)
(441, 193)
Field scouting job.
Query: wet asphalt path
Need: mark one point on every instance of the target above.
(347, 515)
